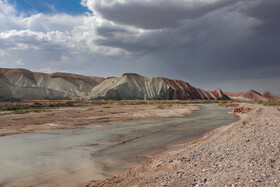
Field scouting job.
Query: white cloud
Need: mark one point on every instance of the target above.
(92, 33)
(44, 70)
(20, 63)
(40, 30)
(6, 9)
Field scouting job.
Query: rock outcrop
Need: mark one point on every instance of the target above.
(134, 86)
(22, 84)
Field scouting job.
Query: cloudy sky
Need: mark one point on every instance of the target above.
(231, 44)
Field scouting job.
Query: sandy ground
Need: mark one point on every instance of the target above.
(100, 114)
(244, 153)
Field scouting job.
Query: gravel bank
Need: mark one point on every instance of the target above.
(245, 153)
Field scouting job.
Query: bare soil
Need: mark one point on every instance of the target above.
(95, 114)
(244, 153)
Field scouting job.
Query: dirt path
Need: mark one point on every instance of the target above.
(100, 114)
(245, 153)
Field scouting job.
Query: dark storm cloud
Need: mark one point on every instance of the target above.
(133, 41)
(268, 13)
(222, 41)
(151, 15)
(110, 31)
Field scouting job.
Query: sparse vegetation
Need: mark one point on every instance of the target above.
(269, 103)
(18, 107)
(20, 111)
(152, 102)
(22, 107)
(28, 111)
(101, 102)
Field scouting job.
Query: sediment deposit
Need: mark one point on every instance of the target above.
(245, 153)
(79, 117)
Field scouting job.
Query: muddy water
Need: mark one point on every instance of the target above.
(73, 157)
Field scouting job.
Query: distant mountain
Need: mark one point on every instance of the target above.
(22, 84)
(252, 95)
(270, 96)
(134, 86)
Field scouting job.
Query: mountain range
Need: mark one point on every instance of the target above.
(22, 84)
(252, 95)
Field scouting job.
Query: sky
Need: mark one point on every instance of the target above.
(230, 44)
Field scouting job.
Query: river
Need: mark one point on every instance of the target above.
(73, 157)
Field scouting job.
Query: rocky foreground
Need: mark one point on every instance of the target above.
(245, 153)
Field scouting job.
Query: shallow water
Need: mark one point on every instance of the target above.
(73, 157)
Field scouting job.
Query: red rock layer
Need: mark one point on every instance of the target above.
(234, 94)
(270, 96)
(253, 95)
(182, 90)
(220, 94)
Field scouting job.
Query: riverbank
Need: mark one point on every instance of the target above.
(244, 153)
(73, 157)
(78, 116)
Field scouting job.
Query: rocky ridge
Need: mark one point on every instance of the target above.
(134, 86)
(21, 84)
